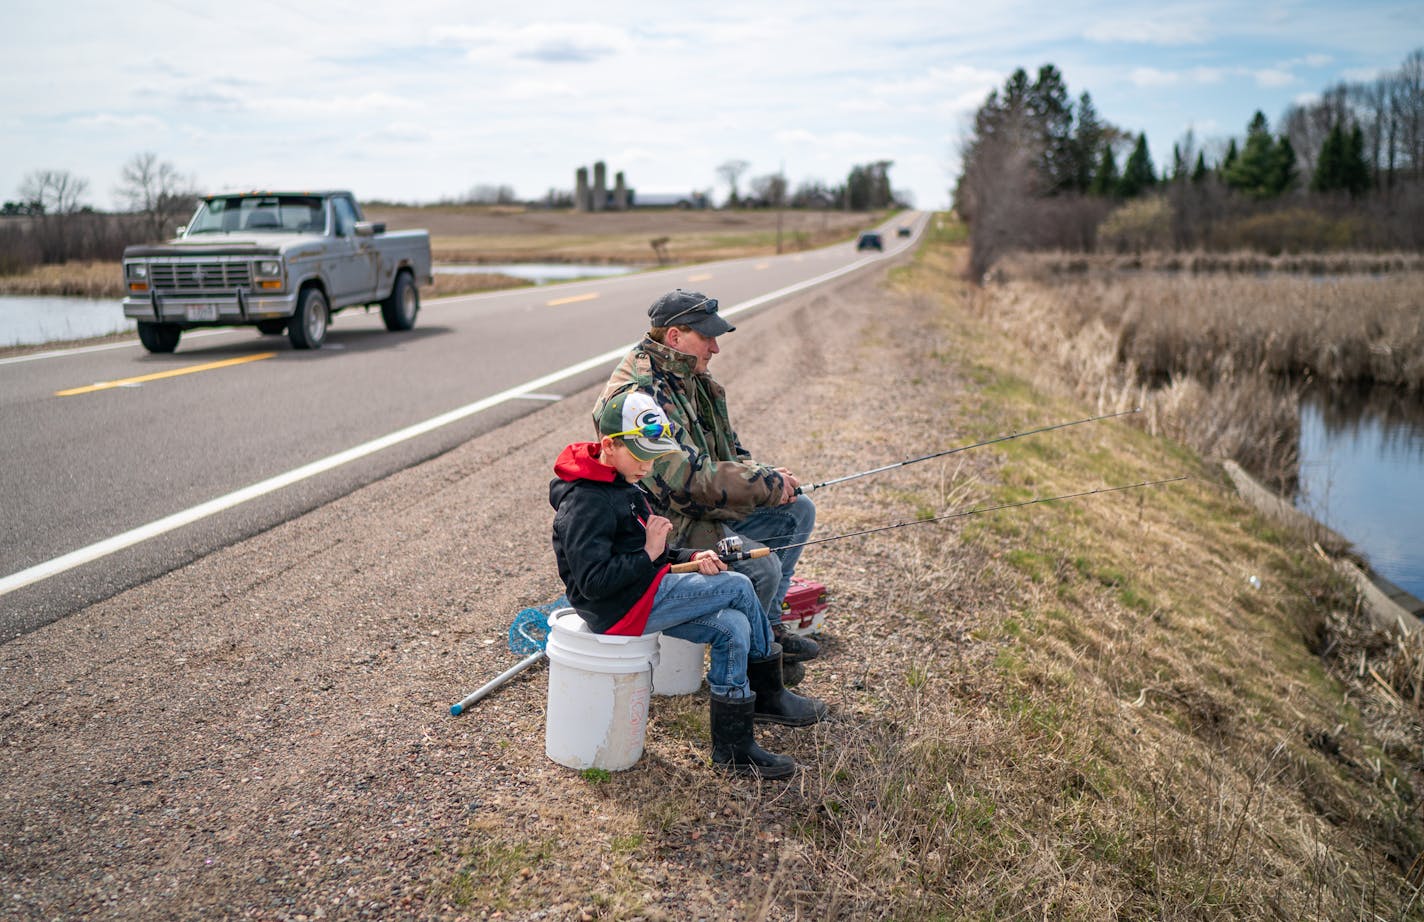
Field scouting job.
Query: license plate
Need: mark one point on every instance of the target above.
(202, 311)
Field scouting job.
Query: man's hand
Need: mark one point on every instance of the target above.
(708, 563)
(655, 541)
(789, 483)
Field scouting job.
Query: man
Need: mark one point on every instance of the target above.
(713, 488)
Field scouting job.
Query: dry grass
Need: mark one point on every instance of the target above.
(1217, 361)
(1040, 265)
(76, 279)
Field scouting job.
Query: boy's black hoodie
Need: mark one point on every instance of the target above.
(600, 524)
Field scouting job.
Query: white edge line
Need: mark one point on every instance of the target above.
(57, 565)
(80, 350)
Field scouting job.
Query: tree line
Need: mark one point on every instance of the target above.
(1041, 170)
(61, 225)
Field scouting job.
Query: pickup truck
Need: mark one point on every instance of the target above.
(277, 261)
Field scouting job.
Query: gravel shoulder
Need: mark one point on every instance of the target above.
(265, 733)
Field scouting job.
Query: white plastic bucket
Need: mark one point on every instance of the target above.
(680, 666)
(597, 715)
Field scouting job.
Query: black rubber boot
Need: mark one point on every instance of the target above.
(794, 647)
(791, 673)
(774, 704)
(735, 749)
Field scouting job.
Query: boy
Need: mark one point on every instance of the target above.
(613, 558)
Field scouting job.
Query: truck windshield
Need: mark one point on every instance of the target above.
(263, 213)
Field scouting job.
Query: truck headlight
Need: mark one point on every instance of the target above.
(269, 268)
(137, 271)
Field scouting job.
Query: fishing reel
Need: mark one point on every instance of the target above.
(729, 546)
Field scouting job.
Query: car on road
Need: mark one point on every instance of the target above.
(904, 231)
(277, 261)
(869, 240)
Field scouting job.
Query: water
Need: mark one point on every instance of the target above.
(26, 320)
(540, 273)
(1362, 473)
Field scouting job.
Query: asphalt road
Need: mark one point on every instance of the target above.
(102, 488)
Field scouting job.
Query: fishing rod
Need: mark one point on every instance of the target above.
(730, 550)
(808, 487)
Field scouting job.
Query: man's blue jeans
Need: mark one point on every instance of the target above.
(722, 611)
(774, 527)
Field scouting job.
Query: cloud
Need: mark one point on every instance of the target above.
(550, 43)
(1273, 77)
(1156, 31)
(113, 120)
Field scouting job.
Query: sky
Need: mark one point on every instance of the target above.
(422, 100)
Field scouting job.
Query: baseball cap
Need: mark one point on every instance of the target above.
(640, 423)
(689, 308)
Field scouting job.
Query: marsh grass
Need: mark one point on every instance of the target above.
(97, 279)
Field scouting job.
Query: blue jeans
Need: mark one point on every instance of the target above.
(720, 610)
(774, 527)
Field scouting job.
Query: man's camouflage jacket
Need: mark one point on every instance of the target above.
(713, 479)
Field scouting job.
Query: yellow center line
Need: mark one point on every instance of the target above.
(762, 266)
(171, 373)
(569, 300)
(699, 278)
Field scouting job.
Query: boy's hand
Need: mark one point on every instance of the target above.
(655, 542)
(708, 563)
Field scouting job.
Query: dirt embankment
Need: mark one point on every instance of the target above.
(1086, 710)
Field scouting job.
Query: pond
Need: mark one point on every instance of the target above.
(27, 320)
(1362, 474)
(540, 273)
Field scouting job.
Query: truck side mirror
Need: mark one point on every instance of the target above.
(180, 230)
(369, 228)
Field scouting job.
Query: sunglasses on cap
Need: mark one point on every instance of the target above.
(706, 305)
(650, 431)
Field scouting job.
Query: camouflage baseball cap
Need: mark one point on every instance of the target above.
(640, 423)
(688, 308)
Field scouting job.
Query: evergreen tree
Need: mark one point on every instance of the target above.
(1137, 174)
(1286, 172)
(1088, 138)
(1256, 171)
(1105, 179)
(1229, 160)
(1356, 172)
(1200, 172)
(1179, 166)
(1051, 113)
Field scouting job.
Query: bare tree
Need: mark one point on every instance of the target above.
(1408, 105)
(731, 172)
(155, 191)
(769, 189)
(56, 192)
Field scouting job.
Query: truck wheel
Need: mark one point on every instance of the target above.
(159, 337)
(271, 327)
(307, 328)
(400, 308)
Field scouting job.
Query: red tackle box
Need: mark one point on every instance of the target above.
(804, 608)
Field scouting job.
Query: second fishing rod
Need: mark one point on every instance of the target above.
(809, 487)
(730, 549)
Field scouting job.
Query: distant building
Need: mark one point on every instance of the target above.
(597, 196)
(667, 199)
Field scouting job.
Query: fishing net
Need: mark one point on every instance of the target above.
(530, 631)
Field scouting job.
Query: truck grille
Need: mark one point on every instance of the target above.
(200, 276)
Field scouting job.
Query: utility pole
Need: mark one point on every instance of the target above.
(780, 204)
